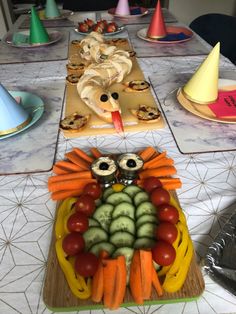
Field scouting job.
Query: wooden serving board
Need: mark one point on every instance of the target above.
(128, 100)
(58, 297)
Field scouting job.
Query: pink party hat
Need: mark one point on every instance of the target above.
(157, 28)
(122, 8)
(13, 117)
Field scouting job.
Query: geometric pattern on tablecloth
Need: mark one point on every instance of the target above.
(27, 213)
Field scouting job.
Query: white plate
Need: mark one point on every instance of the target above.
(144, 11)
(203, 111)
(119, 29)
(33, 104)
(54, 36)
(64, 15)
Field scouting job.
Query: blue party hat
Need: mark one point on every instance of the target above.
(13, 117)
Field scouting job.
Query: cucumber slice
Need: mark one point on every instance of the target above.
(145, 208)
(146, 230)
(144, 219)
(94, 235)
(132, 190)
(144, 243)
(118, 197)
(93, 222)
(122, 223)
(122, 238)
(106, 246)
(108, 191)
(127, 252)
(103, 215)
(141, 197)
(123, 208)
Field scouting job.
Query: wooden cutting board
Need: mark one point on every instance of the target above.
(58, 297)
(127, 101)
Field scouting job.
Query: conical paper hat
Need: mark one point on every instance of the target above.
(13, 117)
(51, 9)
(202, 88)
(38, 33)
(122, 7)
(157, 28)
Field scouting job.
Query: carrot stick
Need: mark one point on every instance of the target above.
(147, 153)
(120, 283)
(71, 176)
(59, 170)
(67, 165)
(160, 163)
(156, 282)
(98, 280)
(73, 157)
(75, 184)
(109, 271)
(95, 152)
(172, 185)
(146, 273)
(61, 195)
(158, 172)
(154, 160)
(168, 183)
(83, 155)
(135, 281)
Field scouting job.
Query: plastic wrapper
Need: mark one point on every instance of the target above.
(220, 261)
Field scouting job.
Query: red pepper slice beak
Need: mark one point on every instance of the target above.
(117, 121)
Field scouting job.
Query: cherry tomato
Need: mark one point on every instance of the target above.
(167, 212)
(85, 204)
(166, 231)
(151, 183)
(163, 253)
(159, 196)
(93, 189)
(86, 264)
(77, 222)
(73, 243)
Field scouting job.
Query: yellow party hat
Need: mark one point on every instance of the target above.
(202, 88)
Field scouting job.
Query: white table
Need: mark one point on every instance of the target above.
(27, 212)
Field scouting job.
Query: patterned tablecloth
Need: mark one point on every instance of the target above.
(27, 212)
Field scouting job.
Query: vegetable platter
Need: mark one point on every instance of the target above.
(120, 244)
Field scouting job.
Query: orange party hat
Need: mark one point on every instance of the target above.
(157, 28)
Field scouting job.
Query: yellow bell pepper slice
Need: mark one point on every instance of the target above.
(180, 250)
(76, 282)
(174, 203)
(173, 283)
(175, 244)
(63, 210)
(118, 187)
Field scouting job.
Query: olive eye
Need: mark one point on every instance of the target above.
(104, 98)
(115, 95)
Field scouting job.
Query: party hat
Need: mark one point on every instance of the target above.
(202, 88)
(13, 117)
(38, 33)
(51, 9)
(157, 28)
(122, 8)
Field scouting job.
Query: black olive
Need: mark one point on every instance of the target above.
(131, 163)
(151, 114)
(115, 95)
(104, 98)
(103, 166)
